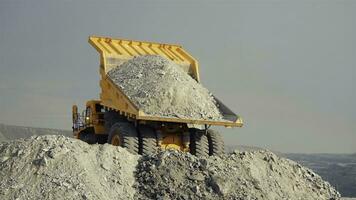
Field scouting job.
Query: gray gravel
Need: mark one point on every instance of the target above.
(160, 87)
(56, 167)
(240, 175)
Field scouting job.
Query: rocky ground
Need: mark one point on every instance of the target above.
(57, 167)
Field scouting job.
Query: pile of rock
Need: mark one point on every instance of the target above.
(160, 87)
(57, 167)
(240, 175)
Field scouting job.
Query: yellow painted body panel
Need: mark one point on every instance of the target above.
(173, 141)
(114, 52)
(174, 136)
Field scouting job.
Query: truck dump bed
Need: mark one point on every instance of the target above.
(114, 52)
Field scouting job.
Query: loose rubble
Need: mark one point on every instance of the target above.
(160, 87)
(240, 175)
(56, 167)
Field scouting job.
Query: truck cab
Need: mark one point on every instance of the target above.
(90, 121)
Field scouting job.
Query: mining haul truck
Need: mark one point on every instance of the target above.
(116, 120)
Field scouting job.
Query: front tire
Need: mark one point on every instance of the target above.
(125, 135)
(88, 136)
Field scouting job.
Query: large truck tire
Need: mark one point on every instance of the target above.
(216, 143)
(148, 140)
(125, 135)
(111, 117)
(87, 135)
(88, 138)
(102, 138)
(199, 144)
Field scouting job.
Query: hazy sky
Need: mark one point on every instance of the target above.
(287, 67)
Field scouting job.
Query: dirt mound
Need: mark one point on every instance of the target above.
(240, 175)
(160, 87)
(56, 167)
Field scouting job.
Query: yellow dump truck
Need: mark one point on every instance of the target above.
(115, 119)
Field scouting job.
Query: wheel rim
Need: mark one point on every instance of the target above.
(115, 140)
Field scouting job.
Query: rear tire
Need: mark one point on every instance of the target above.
(148, 140)
(124, 134)
(216, 143)
(199, 144)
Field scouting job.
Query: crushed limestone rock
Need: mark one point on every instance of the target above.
(160, 87)
(240, 175)
(57, 167)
